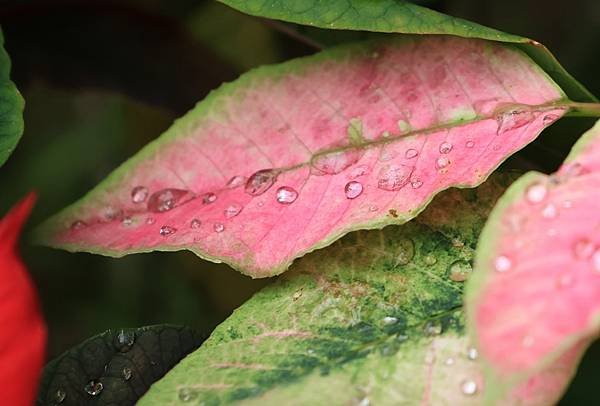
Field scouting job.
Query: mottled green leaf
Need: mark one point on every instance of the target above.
(115, 367)
(11, 108)
(393, 16)
(377, 317)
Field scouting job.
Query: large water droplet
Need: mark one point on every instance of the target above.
(59, 396)
(536, 192)
(442, 162)
(460, 270)
(127, 373)
(583, 248)
(124, 340)
(260, 182)
(78, 225)
(330, 163)
(394, 177)
(93, 387)
(219, 227)
(209, 198)
(502, 263)
(167, 230)
(513, 119)
(445, 147)
(353, 189)
(187, 394)
(468, 387)
(232, 210)
(167, 199)
(286, 195)
(235, 181)
(195, 223)
(411, 153)
(139, 194)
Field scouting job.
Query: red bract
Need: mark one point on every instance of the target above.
(23, 332)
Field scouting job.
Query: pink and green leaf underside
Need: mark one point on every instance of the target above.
(535, 295)
(346, 115)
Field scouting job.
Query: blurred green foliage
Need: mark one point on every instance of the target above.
(102, 78)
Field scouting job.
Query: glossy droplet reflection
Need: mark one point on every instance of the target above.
(286, 195)
(353, 189)
(139, 194)
(442, 163)
(388, 320)
(236, 181)
(502, 263)
(460, 270)
(469, 144)
(93, 388)
(59, 396)
(219, 227)
(468, 387)
(513, 119)
(472, 353)
(78, 225)
(331, 163)
(536, 192)
(549, 211)
(209, 198)
(445, 147)
(411, 153)
(232, 210)
(195, 224)
(260, 182)
(394, 177)
(167, 230)
(127, 373)
(167, 199)
(124, 340)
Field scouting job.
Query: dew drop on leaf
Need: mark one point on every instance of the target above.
(93, 387)
(127, 221)
(353, 189)
(416, 183)
(430, 260)
(449, 361)
(150, 220)
(468, 387)
(411, 153)
(502, 263)
(127, 373)
(195, 223)
(331, 163)
(389, 320)
(394, 177)
(219, 227)
(167, 230)
(78, 225)
(513, 119)
(260, 182)
(445, 147)
(235, 181)
(536, 192)
(472, 353)
(549, 211)
(124, 340)
(460, 270)
(442, 162)
(168, 199)
(187, 394)
(433, 328)
(139, 194)
(286, 195)
(469, 144)
(232, 210)
(59, 396)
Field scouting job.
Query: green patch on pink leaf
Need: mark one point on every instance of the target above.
(535, 296)
(291, 157)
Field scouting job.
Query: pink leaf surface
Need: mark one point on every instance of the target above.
(289, 158)
(535, 295)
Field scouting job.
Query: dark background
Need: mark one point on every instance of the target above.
(103, 78)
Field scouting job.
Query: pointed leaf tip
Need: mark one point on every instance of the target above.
(535, 296)
(291, 157)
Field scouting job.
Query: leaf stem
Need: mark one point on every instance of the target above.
(583, 109)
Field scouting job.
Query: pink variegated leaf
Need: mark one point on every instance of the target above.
(288, 158)
(535, 295)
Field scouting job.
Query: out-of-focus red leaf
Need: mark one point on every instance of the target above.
(22, 329)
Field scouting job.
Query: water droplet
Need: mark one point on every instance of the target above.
(513, 119)
(583, 248)
(549, 119)
(416, 183)
(232, 210)
(472, 353)
(442, 162)
(219, 227)
(110, 213)
(167, 199)
(124, 340)
(389, 320)
(150, 220)
(127, 221)
(167, 230)
(59, 396)
(260, 182)
(430, 260)
(449, 361)
(127, 373)
(187, 394)
(359, 171)
(433, 328)
(94, 388)
(469, 144)
(331, 163)
(460, 270)
(502, 263)
(286, 195)
(596, 261)
(353, 189)
(405, 251)
(364, 402)
(549, 211)
(468, 387)
(445, 147)
(235, 181)
(394, 177)
(195, 223)
(209, 198)
(411, 153)
(139, 194)
(373, 208)
(78, 225)
(536, 192)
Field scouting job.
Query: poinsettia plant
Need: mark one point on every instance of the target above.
(364, 176)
